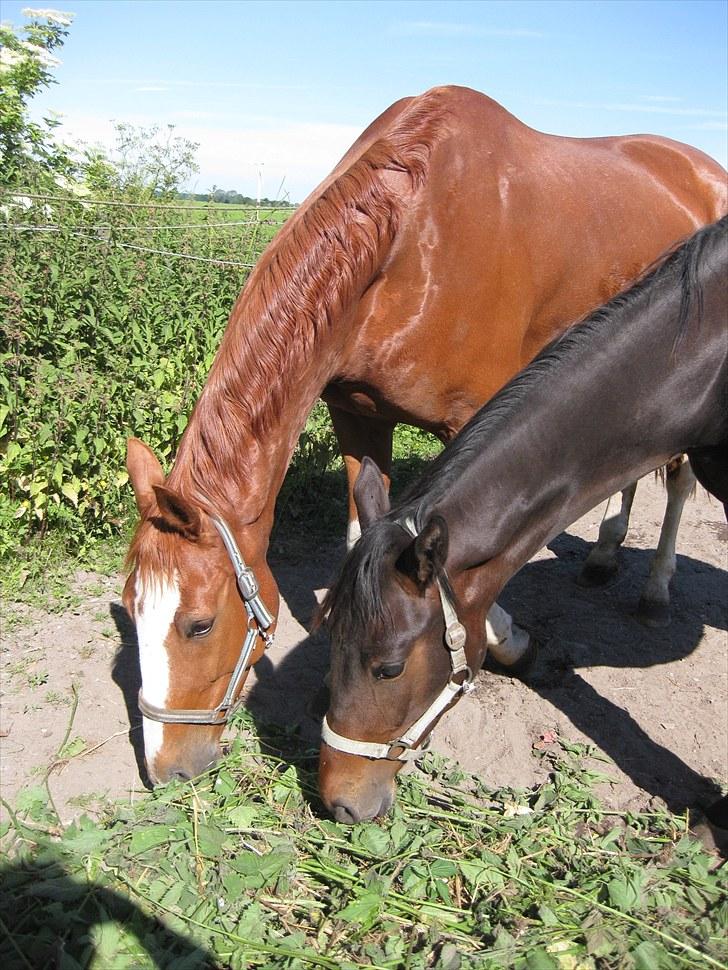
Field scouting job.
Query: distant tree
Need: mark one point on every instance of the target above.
(145, 162)
(29, 153)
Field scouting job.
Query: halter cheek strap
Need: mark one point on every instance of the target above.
(257, 613)
(406, 747)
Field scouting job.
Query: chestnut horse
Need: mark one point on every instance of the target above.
(445, 249)
(640, 380)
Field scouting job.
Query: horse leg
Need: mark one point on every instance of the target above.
(654, 606)
(601, 563)
(511, 646)
(360, 435)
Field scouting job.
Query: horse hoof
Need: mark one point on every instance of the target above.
(596, 574)
(653, 614)
(520, 667)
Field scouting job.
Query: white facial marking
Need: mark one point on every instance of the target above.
(155, 608)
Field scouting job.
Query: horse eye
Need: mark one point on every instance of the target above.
(388, 671)
(200, 628)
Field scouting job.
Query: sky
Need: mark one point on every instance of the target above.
(276, 91)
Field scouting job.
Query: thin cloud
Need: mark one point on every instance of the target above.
(439, 28)
(155, 84)
(660, 98)
(665, 110)
(635, 107)
(151, 87)
(709, 126)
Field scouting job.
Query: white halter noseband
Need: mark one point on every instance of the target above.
(406, 747)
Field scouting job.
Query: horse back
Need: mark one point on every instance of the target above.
(512, 235)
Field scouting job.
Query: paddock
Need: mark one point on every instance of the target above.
(654, 701)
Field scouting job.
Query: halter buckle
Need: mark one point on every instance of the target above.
(455, 636)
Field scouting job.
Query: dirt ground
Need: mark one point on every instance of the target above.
(655, 702)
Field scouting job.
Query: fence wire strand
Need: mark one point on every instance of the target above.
(108, 240)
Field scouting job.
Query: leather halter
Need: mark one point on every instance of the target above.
(406, 747)
(257, 613)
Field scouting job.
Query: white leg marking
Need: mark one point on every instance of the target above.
(353, 532)
(155, 608)
(506, 641)
(679, 484)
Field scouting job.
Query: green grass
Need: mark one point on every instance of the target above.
(241, 869)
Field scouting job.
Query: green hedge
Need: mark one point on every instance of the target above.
(99, 341)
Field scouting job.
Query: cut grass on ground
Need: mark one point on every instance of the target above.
(241, 869)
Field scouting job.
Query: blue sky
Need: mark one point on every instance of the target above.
(284, 87)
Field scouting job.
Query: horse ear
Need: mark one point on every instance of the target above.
(178, 513)
(425, 558)
(144, 472)
(370, 493)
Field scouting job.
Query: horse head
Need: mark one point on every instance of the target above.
(192, 622)
(398, 659)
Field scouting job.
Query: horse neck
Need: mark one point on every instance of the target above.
(242, 433)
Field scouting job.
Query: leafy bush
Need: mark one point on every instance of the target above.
(99, 341)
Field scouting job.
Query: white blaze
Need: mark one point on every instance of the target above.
(155, 608)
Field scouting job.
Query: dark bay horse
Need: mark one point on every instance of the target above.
(614, 397)
(447, 247)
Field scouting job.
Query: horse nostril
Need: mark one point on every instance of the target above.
(180, 776)
(343, 814)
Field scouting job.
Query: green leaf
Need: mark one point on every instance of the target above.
(70, 490)
(540, 959)
(146, 838)
(374, 839)
(243, 816)
(210, 839)
(363, 910)
(650, 956)
(624, 893)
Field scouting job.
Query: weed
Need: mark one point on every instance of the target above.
(38, 679)
(56, 699)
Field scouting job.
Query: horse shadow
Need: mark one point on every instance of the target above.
(45, 933)
(542, 596)
(126, 674)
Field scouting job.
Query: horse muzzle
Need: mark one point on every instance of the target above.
(354, 789)
(183, 768)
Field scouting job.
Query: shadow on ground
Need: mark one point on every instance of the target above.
(54, 920)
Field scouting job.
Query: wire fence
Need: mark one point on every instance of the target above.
(105, 233)
(81, 200)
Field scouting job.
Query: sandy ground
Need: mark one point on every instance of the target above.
(655, 702)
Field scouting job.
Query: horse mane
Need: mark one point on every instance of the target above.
(323, 258)
(354, 608)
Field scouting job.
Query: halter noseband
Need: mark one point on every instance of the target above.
(256, 610)
(406, 747)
